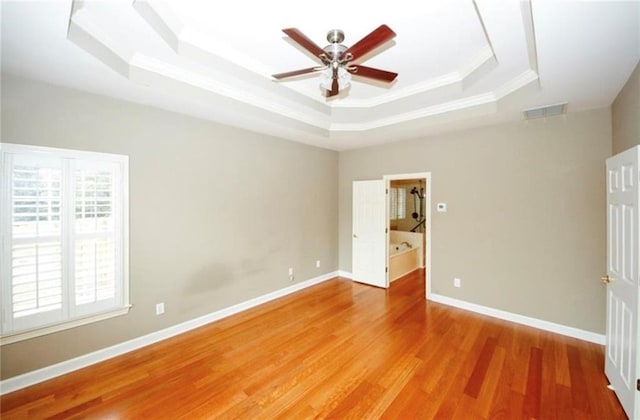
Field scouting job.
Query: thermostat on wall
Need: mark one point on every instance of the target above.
(441, 207)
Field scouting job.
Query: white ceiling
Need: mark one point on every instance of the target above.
(460, 63)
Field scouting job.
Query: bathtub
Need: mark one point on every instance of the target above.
(402, 260)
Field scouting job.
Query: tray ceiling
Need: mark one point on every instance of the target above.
(461, 63)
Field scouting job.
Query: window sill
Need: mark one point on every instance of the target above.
(26, 335)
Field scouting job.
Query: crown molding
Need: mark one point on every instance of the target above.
(516, 83)
(478, 60)
(158, 15)
(239, 79)
(456, 105)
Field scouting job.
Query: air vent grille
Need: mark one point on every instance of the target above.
(545, 111)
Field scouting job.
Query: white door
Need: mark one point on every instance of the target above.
(623, 288)
(369, 245)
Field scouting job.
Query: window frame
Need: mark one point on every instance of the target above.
(72, 318)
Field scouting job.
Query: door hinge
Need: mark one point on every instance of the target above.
(386, 190)
(638, 384)
(386, 269)
(386, 230)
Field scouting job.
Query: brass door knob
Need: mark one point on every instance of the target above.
(606, 279)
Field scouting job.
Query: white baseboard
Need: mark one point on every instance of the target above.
(345, 274)
(521, 319)
(49, 372)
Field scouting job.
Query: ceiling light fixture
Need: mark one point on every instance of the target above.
(336, 58)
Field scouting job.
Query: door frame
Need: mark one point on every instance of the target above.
(426, 176)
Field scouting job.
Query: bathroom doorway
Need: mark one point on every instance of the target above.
(408, 225)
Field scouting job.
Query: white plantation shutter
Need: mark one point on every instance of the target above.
(398, 203)
(63, 227)
(95, 248)
(36, 241)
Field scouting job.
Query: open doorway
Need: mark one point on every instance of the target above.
(408, 225)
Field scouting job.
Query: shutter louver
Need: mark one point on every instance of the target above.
(36, 252)
(95, 248)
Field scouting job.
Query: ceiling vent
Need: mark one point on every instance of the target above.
(545, 111)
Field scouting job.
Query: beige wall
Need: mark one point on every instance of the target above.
(525, 226)
(217, 214)
(625, 114)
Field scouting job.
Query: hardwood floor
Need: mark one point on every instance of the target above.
(340, 350)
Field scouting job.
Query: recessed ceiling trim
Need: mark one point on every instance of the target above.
(478, 60)
(456, 105)
(94, 41)
(458, 77)
(191, 39)
(516, 83)
(193, 44)
(530, 34)
(158, 14)
(211, 85)
(140, 65)
(163, 22)
(484, 29)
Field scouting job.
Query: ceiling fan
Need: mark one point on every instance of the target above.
(337, 59)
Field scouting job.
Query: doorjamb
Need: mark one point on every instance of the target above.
(426, 176)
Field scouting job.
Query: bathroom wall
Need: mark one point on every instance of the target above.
(408, 222)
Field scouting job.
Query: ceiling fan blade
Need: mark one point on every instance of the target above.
(295, 73)
(378, 37)
(304, 41)
(372, 73)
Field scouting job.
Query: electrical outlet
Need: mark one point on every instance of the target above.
(290, 273)
(457, 282)
(318, 264)
(159, 308)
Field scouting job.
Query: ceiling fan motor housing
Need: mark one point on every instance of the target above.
(334, 51)
(335, 36)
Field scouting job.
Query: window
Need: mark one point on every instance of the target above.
(64, 229)
(398, 203)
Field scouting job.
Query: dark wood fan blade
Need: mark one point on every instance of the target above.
(304, 41)
(372, 73)
(295, 73)
(378, 37)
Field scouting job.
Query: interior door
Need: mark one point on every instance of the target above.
(369, 246)
(623, 230)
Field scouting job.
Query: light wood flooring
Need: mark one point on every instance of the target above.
(339, 350)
